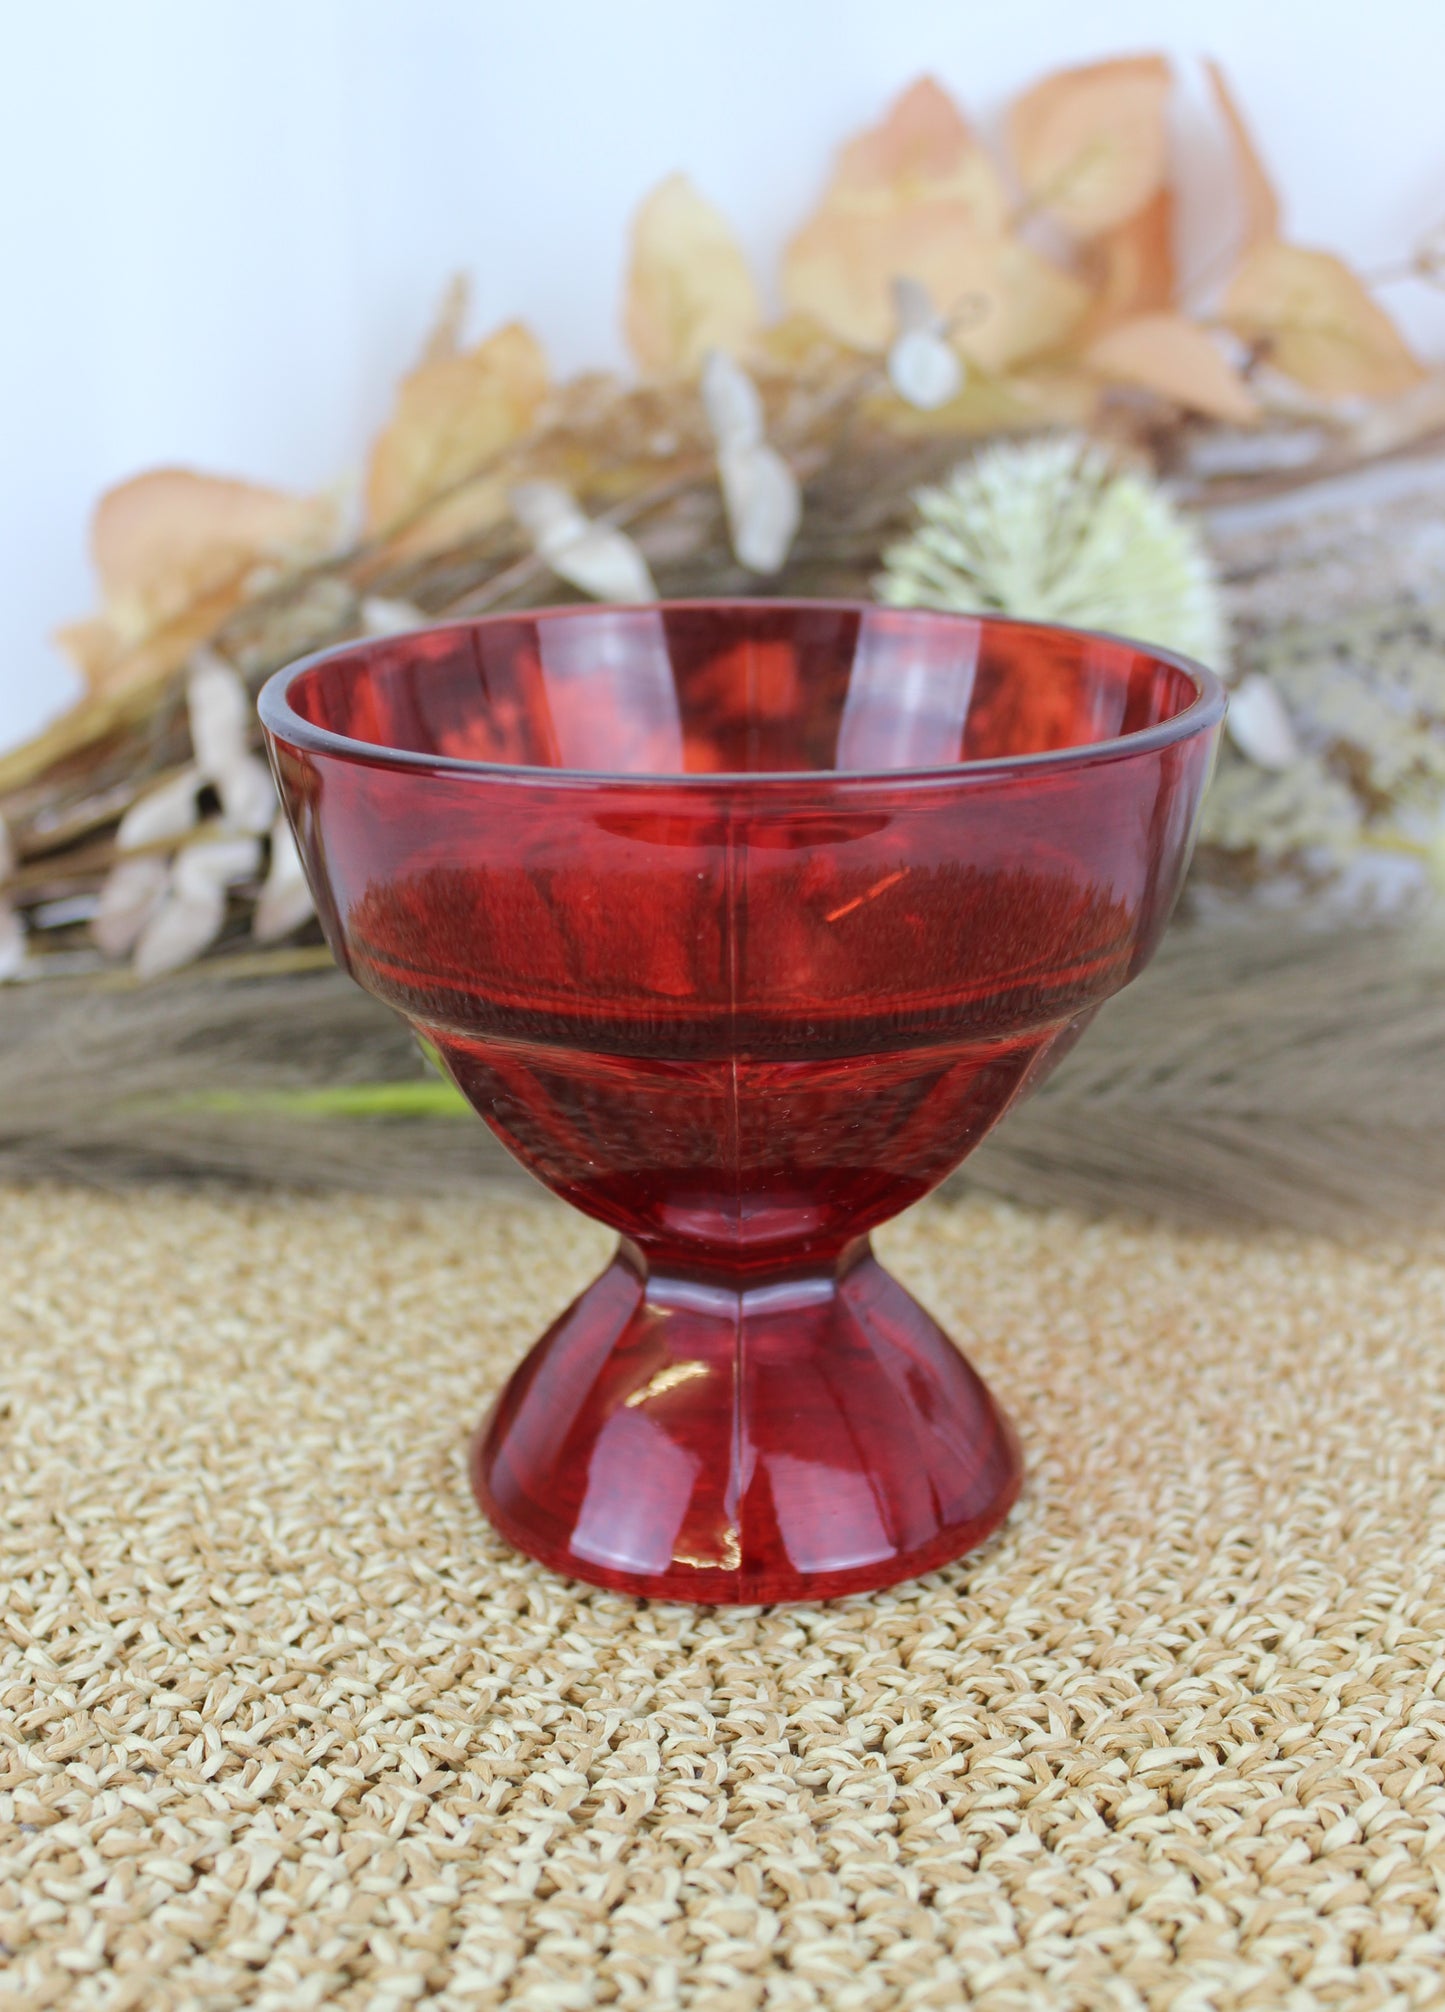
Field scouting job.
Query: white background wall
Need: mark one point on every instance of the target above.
(224, 223)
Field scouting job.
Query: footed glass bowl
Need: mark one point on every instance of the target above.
(740, 924)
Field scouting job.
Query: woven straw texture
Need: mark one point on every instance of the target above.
(286, 1726)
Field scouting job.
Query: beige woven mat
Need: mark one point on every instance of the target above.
(287, 1726)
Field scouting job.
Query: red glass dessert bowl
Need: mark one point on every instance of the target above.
(740, 924)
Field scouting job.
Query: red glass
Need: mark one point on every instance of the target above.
(741, 924)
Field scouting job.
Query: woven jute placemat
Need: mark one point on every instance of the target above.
(286, 1726)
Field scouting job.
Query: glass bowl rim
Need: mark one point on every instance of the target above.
(284, 724)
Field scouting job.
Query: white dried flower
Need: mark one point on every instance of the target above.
(220, 715)
(923, 366)
(219, 712)
(223, 861)
(134, 888)
(383, 617)
(732, 402)
(1259, 724)
(180, 929)
(168, 812)
(597, 558)
(248, 796)
(285, 899)
(1055, 530)
(193, 913)
(760, 491)
(12, 943)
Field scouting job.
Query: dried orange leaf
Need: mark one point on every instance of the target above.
(1134, 266)
(689, 288)
(922, 150)
(1318, 324)
(453, 415)
(1015, 304)
(1166, 354)
(1257, 191)
(912, 196)
(444, 338)
(1054, 393)
(802, 347)
(91, 646)
(1006, 301)
(122, 671)
(466, 513)
(1090, 143)
(163, 539)
(174, 550)
(1046, 395)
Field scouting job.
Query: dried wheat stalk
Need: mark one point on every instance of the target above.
(1249, 1076)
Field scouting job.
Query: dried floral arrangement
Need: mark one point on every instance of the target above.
(989, 387)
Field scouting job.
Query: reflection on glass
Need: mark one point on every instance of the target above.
(610, 693)
(908, 694)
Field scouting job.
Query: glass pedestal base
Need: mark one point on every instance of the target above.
(743, 1439)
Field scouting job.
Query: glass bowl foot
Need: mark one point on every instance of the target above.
(736, 1438)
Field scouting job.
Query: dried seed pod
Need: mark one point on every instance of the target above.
(133, 890)
(222, 862)
(193, 912)
(168, 812)
(383, 617)
(185, 924)
(248, 796)
(12, 929)
(731, 401)
(12, 943)
(924, 369)
(597, 558)
(221, 713)
(763, 505)
(760, 491)
(923, 366)
(285, 899)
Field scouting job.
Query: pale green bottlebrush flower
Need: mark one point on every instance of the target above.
(1056, 530)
